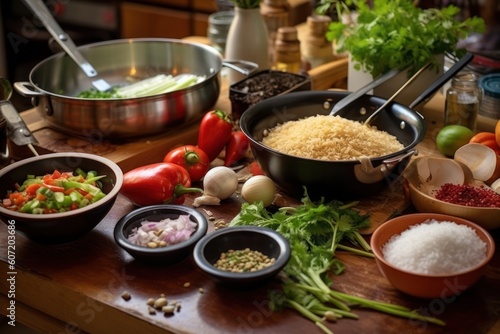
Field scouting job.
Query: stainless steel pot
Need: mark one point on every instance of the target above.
(55, 82)
(346, 179)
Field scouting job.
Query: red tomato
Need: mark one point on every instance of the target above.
(191, 158)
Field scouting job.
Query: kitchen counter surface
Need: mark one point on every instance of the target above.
(77, 287)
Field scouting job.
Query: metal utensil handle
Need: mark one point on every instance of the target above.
(349, 99)
(17, 129)
(459, 65)
(409, 81)
(242, 66)
(41, 11)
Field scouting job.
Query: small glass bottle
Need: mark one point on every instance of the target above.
(463, 100)
(287, 56)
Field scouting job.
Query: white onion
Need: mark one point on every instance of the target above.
(259, 188)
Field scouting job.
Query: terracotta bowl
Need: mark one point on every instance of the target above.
(267, 241)
(57, 228)
(422, 285)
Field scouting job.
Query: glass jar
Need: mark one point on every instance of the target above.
(218, 28)
(463, 100)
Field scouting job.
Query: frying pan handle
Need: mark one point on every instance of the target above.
(459, 65)
(41, 11)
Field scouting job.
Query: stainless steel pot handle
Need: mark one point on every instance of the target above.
(25, 89)
(242, 66)
(366, 173)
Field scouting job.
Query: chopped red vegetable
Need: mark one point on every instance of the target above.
(55, 192)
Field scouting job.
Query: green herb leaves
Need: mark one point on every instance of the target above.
(248, 4)
(315, 231)
(396, 34)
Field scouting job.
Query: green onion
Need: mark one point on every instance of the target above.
(315, 231)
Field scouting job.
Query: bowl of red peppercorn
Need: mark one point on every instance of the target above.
(242, 256)
(465, 198)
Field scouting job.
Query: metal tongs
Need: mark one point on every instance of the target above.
(389, 100)
(17, 130)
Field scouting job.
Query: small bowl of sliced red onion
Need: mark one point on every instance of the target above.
(161, 234)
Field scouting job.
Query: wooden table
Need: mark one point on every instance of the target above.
(77, 287)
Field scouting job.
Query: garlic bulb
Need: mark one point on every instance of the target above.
(219, 183)
(259, 188)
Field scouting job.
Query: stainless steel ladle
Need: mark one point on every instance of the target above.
(17, 130)
(41, 11)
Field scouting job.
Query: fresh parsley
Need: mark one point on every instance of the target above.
(395, 34)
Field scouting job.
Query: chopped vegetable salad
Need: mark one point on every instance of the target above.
(56, 192)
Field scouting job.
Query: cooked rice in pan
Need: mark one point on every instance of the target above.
(327, 137)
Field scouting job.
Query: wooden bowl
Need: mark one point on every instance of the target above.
(423, 285)
(486, 217)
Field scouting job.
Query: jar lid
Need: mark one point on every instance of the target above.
(490, 83)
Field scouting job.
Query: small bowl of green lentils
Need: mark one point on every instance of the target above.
(242, 255)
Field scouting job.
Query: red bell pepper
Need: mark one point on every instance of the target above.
(191, 158)
(158, 183)
(215, 132)
(487, 139)
(236, 148)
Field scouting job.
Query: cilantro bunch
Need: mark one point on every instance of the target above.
(315, 231)
(395, 34)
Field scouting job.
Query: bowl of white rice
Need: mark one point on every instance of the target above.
(429, 255)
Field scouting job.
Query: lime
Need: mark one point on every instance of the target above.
(451, 137)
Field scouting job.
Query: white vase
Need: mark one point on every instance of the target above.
(357, 79)
(247, 39)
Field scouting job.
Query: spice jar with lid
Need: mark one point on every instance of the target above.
(317, 50)
(276, 15)
(463, 100)
(287, 56)
(489, 112)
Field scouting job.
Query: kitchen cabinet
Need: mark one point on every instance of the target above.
(182, 18)
(165, 18)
